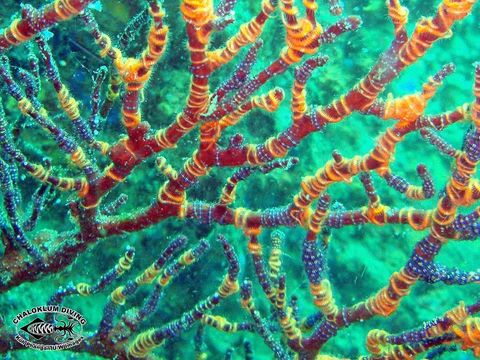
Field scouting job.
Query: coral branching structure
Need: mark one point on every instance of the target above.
(29, 257)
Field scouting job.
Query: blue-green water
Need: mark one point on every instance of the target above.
(360, 258)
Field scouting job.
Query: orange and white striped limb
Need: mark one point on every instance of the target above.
(248, 34)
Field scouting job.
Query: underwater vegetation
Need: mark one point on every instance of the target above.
(223, 222)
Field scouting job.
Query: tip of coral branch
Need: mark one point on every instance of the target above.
(4, 60)
(320, 60)
(204, 243)
(421, 169)
(364, 176)
(450, 67)
(354, 21)
(325, 198)
(246, 287)
(446, 70)
(130, 250)
(258, 43)
(181, 239)
(294, 160)
(337, 157)
(279, 94)
(236, 140)
(336, 8)
(278, 235)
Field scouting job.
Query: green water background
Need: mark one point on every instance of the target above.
(361, 259)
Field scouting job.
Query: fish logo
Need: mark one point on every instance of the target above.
(39, 328)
